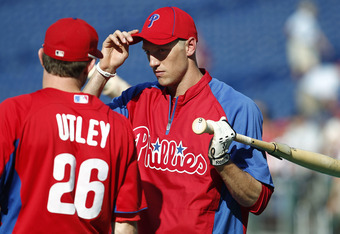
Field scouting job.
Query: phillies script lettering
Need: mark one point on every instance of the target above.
(167, 155)
(70, 127)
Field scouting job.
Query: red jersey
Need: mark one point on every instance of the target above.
(185, 194)
(67, 164)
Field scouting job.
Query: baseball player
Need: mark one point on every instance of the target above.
(67, 162)
(192, 183)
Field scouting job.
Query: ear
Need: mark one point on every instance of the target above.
(88, 71)
(90, 65)
(191, 44)
(40, 54)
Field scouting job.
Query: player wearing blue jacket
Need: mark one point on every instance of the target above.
(187, 189)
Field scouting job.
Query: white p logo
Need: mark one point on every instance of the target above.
(152, 19)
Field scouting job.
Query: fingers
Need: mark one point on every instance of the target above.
(222, 129)
(223, 118)
(116, 49)
(134, 31)
(120, 38)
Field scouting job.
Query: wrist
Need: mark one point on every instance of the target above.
(220, 161)
(107, 75)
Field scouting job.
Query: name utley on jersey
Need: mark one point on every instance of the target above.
(67, 164)
(184, 193)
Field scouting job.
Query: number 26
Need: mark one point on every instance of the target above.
(84, 186)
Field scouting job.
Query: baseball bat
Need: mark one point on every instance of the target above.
(314, 161)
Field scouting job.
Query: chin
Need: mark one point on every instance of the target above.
(161, 81)
(165, 82)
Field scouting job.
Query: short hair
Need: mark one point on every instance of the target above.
(63, 68)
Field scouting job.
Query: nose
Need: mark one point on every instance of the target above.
(153, 61)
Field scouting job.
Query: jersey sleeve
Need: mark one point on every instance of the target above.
(130, 198)
(246, 119)
(119, 104)
(10, 121)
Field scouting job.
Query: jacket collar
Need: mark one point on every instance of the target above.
(194, 90)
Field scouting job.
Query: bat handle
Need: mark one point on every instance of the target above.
(200, 126)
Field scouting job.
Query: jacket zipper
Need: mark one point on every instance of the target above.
(171, 117)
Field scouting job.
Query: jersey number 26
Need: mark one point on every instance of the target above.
(84, 186)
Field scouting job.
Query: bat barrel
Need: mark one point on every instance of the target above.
(314, 161)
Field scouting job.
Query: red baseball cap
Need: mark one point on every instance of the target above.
(71, 39)
(165, 25)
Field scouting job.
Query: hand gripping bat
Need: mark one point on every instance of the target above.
(314, 161)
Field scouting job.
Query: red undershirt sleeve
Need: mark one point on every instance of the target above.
(263, 200)
(127, 217)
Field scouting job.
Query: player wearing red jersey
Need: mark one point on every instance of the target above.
(67, 162)
(188, 190)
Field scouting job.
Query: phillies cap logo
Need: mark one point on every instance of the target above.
(152, 19)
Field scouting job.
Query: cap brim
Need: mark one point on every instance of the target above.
(97, 54)
(158, 39)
